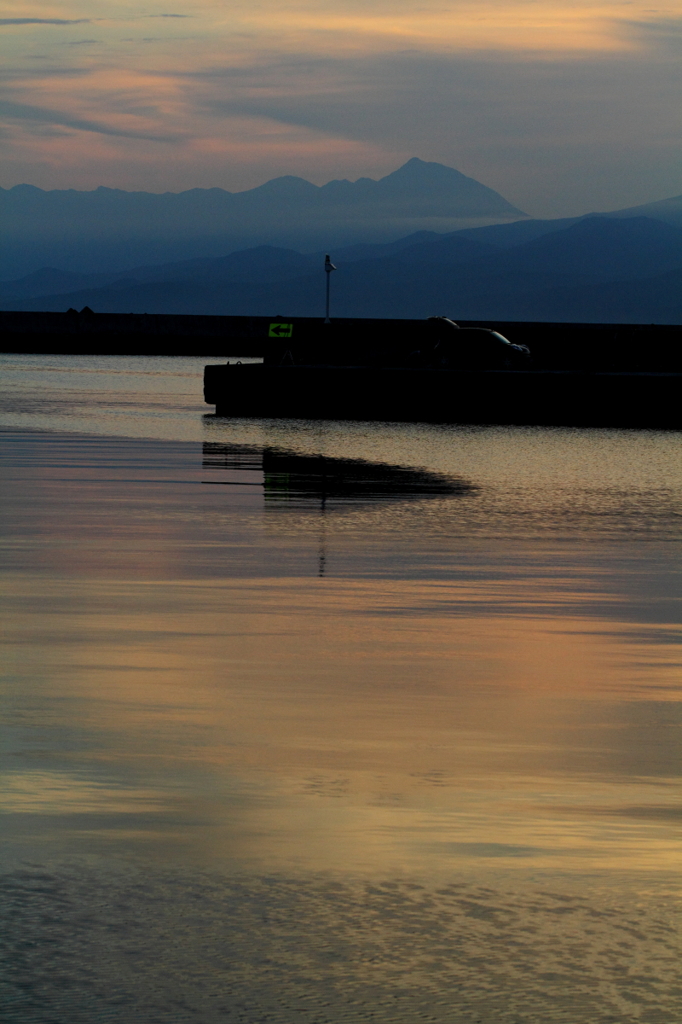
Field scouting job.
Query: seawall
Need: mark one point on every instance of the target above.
(554, 346)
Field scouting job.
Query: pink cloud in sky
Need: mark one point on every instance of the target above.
(562, 108)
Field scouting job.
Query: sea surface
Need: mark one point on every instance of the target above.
(329, 722)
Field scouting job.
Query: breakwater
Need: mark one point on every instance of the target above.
(539, 397)
(555, 346)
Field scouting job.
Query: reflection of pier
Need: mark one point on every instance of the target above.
(333, 482)
(325, 483)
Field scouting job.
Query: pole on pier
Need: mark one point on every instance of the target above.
(328, 267)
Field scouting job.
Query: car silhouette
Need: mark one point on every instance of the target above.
(447, 346)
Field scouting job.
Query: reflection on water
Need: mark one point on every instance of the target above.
(295, 730)
(325, 484)
(329, 482)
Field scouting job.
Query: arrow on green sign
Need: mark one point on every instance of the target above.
(280, 330)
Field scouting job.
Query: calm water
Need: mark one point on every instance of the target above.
(333, 722)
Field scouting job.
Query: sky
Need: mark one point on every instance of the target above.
(563, 108)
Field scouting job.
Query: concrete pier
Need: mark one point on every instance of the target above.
(559, 397)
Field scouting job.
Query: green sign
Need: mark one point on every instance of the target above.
(280, 330)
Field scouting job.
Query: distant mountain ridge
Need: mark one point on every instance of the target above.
(105, 229)
(262, 263)
(667, 210)
(594, 269)
(420, 240)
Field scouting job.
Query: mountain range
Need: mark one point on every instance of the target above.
(624, 266)
(598, 269)
(109, 229)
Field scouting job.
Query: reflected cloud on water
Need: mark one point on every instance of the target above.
(441, 783)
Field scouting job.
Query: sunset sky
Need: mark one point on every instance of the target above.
(563, 108)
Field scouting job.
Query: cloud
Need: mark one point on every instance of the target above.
(465, 25)
(581, 130)
(31, 73)
(662, 28)
(574, 109)
(662, 34)
(45, 116)
(44, 21)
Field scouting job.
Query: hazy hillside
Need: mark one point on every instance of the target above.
(652, 300)
(107, 230)
(593, 249)
(260, 264)
(574, 273)
(668, 210)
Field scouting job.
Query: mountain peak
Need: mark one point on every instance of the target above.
(426, 180)
(416, 163)
(287, 186)
(426, 171)
(107, 229)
